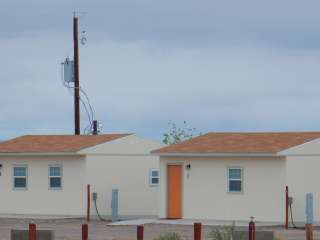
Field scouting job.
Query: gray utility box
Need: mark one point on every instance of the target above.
(23, 234)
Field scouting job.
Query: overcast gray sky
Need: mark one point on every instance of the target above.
(219, 65)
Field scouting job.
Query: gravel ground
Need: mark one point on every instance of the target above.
(70, 229)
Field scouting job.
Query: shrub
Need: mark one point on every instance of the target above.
(169, 236)
(225, 233)
(277, 238)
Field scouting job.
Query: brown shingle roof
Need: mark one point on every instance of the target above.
(252, 142)
(55, 143)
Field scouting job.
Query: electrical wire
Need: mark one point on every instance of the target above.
(90, 118)
(98, 214)
(291, 216)
(88, 100)
(88, 130)
(90, 114)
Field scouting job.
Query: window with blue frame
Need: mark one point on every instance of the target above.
(154, 178)
(235, 180)
(20, 177)
(55, 177)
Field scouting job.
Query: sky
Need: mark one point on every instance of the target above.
(219, 65)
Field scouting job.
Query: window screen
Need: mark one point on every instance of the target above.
(20, 177)
(154, 177)
(55, 177)
(235, 179)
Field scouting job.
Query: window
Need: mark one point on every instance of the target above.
(55, 177)
(20, 177)
(154, 177)
(235, 179)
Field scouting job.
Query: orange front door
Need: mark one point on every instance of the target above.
(174, 191)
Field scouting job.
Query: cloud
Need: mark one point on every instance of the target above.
(289, 23)
(221, 66)
(140, 86)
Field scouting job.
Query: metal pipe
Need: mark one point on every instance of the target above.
(84, 232)
(252, 229)
(32, 231)
(88, 203)
(309, 217)
(140, 230)
(95, 127)
(287, 208)
(197, 231)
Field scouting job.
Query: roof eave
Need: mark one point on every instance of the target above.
(176, 154)
(22, 154)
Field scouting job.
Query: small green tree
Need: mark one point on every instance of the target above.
(178, 134)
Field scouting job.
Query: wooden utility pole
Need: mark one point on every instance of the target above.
(76, 76)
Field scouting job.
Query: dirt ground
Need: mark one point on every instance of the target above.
(70, 229)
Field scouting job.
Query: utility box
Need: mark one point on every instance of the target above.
(23, 234)
(68, 71)
(114, 205)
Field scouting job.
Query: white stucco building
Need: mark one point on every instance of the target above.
(232, 176)
(48, 175)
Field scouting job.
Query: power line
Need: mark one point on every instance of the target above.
(90, 114)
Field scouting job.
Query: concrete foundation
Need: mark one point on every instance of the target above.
(260, 235)
(23, 234)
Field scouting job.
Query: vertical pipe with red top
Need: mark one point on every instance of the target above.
(287, 209)
(32, 231)
(140, 230)
(252, 229)
(197, 231)
(85, 232)
(88, 202)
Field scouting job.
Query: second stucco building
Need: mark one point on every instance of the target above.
(232, 176)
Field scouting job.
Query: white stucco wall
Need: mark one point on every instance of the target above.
(129, 174)
(302, 178)
(124, 164)
(205, 194)
(303, 164)
(38, 199)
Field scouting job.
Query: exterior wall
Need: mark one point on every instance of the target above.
(303, 164)
(129, 145)
(205, 194)
(124, 164)
(129, 174)
(38, 199)
(302, 178)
